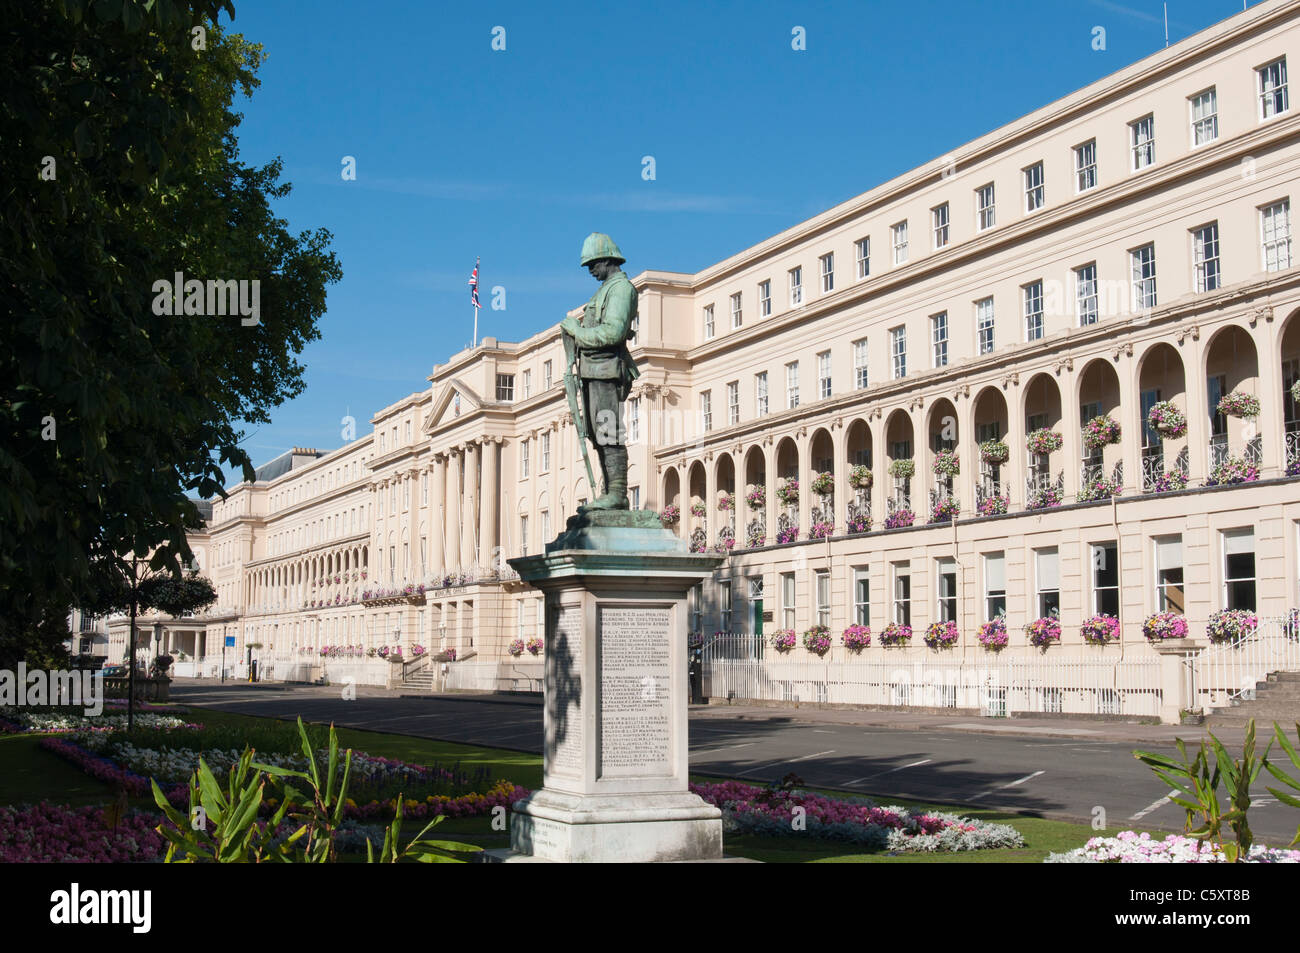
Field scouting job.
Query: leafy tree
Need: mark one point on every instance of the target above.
(119, 169)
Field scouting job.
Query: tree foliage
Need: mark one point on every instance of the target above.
(120, 168)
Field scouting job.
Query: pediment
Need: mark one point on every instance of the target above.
(447, 409)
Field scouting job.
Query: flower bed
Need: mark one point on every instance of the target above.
(787, 492)
(817, 640)
(1130, 847)
(749, 809)
(1100, 488)
(783, 640)
(1170, 480)
(1101, 431)
(945, 510)
(902, 469)
(1044, 632)
(1164, 625)
(942, 635)
(49, 834)
(1166, 419)
(1100, 629)
(823, 483)
(900, 518)
(1232, 471)
(1231, 625)
(993, 634)
(857, 637)
(993, 505)
(1043, 441)
(670, 515)
(896, 634)
(860, 477)
(1043, 499)
(947, 463)
(995, 451)
(1238, 404)
(36, 721)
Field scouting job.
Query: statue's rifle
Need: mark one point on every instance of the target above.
(575, 405)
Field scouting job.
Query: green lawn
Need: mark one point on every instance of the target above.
(29, 774)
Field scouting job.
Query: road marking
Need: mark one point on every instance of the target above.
(914, 764)
(822, 731)
(1017, 730)
(1153, 806)
(764, 767)
(747, 744)
(1012, 784)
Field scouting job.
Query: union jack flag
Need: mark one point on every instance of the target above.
(473, 286)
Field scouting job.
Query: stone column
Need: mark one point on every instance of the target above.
(452, 529)
(770, 474)
(840, 465)
(1072, 448)
(488, 503)
(880, 479)
(1174, 678)
(437, 561)
(1130, 443)
(1268, 388)
(469, 510)
(1198, 402)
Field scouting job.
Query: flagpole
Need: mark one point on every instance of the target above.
(475, 343)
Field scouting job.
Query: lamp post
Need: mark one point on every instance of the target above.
(157, 640)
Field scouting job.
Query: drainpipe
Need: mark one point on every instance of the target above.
(1119, 607)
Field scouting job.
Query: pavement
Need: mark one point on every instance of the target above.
(1071, 769)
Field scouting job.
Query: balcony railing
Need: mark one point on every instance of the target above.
(1252, 453)
(1293, 452)
(991, 497)
(1040, 488)
(1090, 473)
(1153, 467)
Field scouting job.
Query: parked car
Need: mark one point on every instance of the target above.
(114, 671)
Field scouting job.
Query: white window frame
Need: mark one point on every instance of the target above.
(733, 403)
(1204, 121)
(827, 262)
(824, 375)
(1087, 304)
(547, 377)
(792, 385)
(1094, 566)
(1041, 590)
(796, 286)
(789, 601)
(634, 420)
(861, 596)
(898, 239)
(765, 298)
(761, 403)
(546, 453)
(505, 385)
(1207, 269)
(1085, 166)
(863, 248)
(1224, 536)
(985, 328)
(939, 338)
(1161, 597)
(939, 220)
(706, 410)
(1144, 285)
(822, 596)
(526, 384)
(986, 210)
(1141, 148)
(1275, 248)
(900, 604)
(724, 606)
(861, 377)
(524, 457)
(991, 595)
(1035, 187)
(709, 327)
(737, 316)
(1270, 94)
(898, 350)
(1035, 320)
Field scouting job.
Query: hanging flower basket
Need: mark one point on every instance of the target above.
(1043, 441)
(946, 463)
(896, 634)
(1166, 419)
(1164, 625)
(942, 635)
(1170, 480)
(860, 477)
(1100, 431)
(1232, 471)
(821, 529)
(1101, 488)
(902, 469)
(1043, 499)
(1295, 391)
(900, 518)
(946, 509)
(1238, 404)
(993, 505)
(671, 514)
(697, 509)
(787, 492)
(783, 640)
(859, 523)
(995, 451)
(1044, 632)
(993, 634)
(1100, 629)
(756, 498)
(857, 637)
(516, 648)
(823, 484)
(1231, 625)
(817, 640)
(726, 502)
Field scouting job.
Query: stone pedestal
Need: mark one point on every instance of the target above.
(615, 686)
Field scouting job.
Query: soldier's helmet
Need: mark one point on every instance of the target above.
(599, 245)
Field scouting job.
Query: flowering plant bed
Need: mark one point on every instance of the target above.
(995, 451)
(900, 518)
(993, 505)
(1170, 480)
(946, 463)
(860, 477)
(670, 515)
(821, 529)
(817, 639)
(749, 809)
(823, 483)
(1043, 441)
(1098, 488)
(1231, 625)
(1164, 625)
(1232, 471)
(857, 637)
(993, 634)
(783, 640)
(697, 509)
(63, 720)
(859, 523)
(757, 498)
(787, 535)
(1100, 629)
(945, 510)
(902, 469)
(47, 834)
(942, 635)
(1166, 419)
(1238, 404)
(896, 634)
(1044, 632)
(516, 648)
(1101, 431)
(726, 502)
(534, 646)
(1043, 499)
(787, 492)
(1130, 847)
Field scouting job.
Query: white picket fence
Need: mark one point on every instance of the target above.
(1229, 671)
(510, 676)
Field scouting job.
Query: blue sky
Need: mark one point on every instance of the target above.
(515, 155)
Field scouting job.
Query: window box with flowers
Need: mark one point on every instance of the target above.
(787, 492)
(946, 463)
(1231, 625)
(1164, 625)
(1232, 471)
(1100, 629)
(516, 648)
(942, 635)
(1044, 632)
(900, 518)
(1170, 480)
(1238, 404)
(859, 522)
(787, 535)
(857, 637)
(1043, 498)
(993, 505)
(896, 634)
(945, 510)
(1098, 488)
(860, 477)
(993, 634)
(902, 469)
(1043, 441)
(670, 515)
(1101, 431)
(823, 483)
(821, 529)
(534, 646)
(783, 640)
(1167, 420)
(817, 640)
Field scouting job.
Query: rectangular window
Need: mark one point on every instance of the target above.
(760, 393)
(524, 458)
(898, 350)
(1143, 262)
(1035, 197)
(861, 597)
(824, 374)
(634, 497)
(523, 535)
(520, 614)
(1085, 166)
(939, 224)
(546, 453)
(706, 411)
(505, 387)
(736, 316)
(764, 298)
(939, 338)
(1047, 582)
(1205, 117)
(828, 272)
(792, 385)
(424, 488)
(1205, 257)
(1272, 89)
(946, 576)
(1169, 574)
(985, 212)
(902, 592)
(708, 322)
(724, 606)
(787, 600)
(528, 384)
(733, 403)
(1275, 235)
(1085, 294)
(860, 378)
(823, 587)
(1239, 569)
(899, 235)
(796, 287)
(1105, 579)
(1033, 311)
(634, 420)
(863, 246)
(995, 585)
(1142, 142)
(546, 525)
(984, 325)
(546, 374)
(694, 600)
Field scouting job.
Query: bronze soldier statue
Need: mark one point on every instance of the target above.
(605, 366)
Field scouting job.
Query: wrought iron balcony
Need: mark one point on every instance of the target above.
(1293, 451)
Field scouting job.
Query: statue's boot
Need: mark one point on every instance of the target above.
(615, 495)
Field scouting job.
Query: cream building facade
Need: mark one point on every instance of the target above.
(1126, 245)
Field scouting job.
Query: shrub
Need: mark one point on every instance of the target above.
(946, 509)
(1044, 498)
(821, 529)
(1099, 488)
(787, 535)
(859, 523)
(900, 518)
(1170, 480)
(1232, 471)
(993, 505)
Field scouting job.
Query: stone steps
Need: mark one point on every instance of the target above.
(1277, 698)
